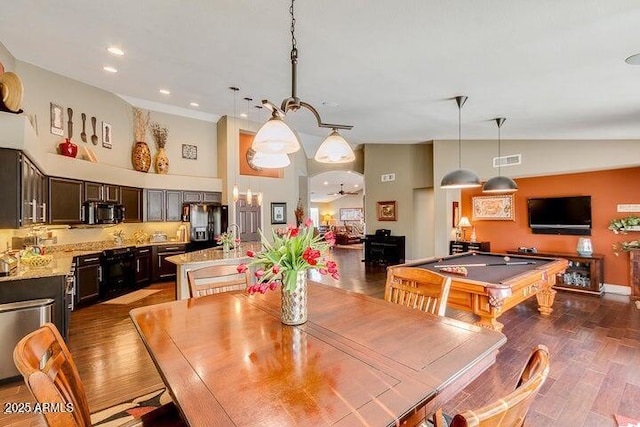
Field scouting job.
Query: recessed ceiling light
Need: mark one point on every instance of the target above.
(243, 115)
(633, 59)
(115, 50)
(110, 69)
(326, 183)
(330, 104)
(165, 92)
(194, 104)
(356, 185)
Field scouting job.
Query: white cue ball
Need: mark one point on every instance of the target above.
(507, 258)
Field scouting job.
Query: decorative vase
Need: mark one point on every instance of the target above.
(68, 148)
(162, 162)
(293, 310)
(225, 247)
(141, 157)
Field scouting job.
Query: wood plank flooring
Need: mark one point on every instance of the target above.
(594, 344)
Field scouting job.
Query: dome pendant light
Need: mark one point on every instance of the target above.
(500, 184)
(460, 178)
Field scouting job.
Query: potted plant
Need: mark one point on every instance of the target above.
(623, 225)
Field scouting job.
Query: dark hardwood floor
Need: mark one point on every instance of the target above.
(594, 344)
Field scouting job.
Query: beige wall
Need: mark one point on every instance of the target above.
(7, 60)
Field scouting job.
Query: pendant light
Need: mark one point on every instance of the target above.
(249, 193)
(500, 184)
(276, 137)
(460, 178)
(235, 193)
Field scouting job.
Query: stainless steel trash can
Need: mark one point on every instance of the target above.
(17, 319)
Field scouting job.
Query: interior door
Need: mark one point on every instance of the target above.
(249, 219)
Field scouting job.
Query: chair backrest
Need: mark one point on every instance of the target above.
(511, 410)
(215, 279)
(43, 359)
(418, 288)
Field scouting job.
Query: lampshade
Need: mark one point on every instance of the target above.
(235, 193)
(334, 149)
(500, 184)
(275, 137)
(460, 178)
(249, 197)
(326, 218)
(259, 198)
(464, 222)
(270, 161)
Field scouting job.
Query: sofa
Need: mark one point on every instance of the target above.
(347, 234)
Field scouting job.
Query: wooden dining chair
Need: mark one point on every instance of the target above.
(43, 359)
(418, 288)
(511, 410)
(216, 278)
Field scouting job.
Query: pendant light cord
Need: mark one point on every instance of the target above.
(459, 137)
(499, 152)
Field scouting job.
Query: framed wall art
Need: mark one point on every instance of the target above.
(386, 211)
(189, 152)
(106, 135)
(496, 208)
(350, 214)
(278, 213)
(57, 119)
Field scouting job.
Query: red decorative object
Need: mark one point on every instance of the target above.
(68, 148)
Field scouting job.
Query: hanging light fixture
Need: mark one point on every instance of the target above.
(249, 197)
(259, 197)
(460, 178)
(249, 193)
(500, 184)
(235, 193)
(276, 137)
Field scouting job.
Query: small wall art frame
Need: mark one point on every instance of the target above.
(57, 119)
(106, 135)
(189, 152)
(386, 211)
(494, 208)
(278, 213)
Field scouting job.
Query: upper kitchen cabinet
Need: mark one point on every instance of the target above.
(65, 200)
(97, 192)
(131, 199)
(163, 205)
(201, 197)
(23, 200)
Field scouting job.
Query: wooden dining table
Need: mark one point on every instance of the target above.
(227, 360)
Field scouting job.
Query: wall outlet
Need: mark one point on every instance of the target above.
(388, 177)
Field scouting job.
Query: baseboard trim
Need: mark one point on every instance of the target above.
(617, 289)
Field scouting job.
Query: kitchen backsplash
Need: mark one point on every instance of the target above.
(75, 236)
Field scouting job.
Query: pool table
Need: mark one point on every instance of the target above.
(496, 282)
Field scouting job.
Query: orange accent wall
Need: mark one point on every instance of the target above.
(606, 188)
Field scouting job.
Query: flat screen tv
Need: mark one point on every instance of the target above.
(560, 215)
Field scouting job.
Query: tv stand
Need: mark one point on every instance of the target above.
(584, 274)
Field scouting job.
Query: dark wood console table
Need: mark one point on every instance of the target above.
(384, 249)
(634, 274)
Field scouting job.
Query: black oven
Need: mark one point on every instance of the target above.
(118, 272)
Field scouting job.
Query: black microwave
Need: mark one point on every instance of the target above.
(102, 213)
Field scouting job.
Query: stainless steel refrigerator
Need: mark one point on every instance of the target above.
(206, 222)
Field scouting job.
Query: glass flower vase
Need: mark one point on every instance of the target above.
(226, 247)
(293, 310)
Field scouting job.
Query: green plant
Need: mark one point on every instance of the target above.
(621, 225)
(625, 246)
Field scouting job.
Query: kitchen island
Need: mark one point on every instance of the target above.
(205, 258)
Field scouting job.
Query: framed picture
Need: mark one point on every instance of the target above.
(350, 214)
(57, 119)
(386, 211)
(189, 152)
(498, 208)
(278, 213)
(106, 135)
(455, 210)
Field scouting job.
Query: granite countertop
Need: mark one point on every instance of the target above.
(59, 266)
(215, 254)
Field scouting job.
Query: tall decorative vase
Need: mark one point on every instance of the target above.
(162, 162)
(293, 310)
(226, 248)
(141, 157)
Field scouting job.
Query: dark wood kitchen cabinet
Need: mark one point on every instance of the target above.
(95, 191)
(163, 269)
(88, 277)
(202, 197)
(163, 205)
(143, 266)
(65, 200)
(131, 199)
(173, 199)
(23, 201)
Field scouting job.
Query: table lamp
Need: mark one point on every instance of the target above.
(326, 218)
(463, 224)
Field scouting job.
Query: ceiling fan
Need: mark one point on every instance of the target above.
(342, 192)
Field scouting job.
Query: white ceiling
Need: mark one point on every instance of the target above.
(323, 187)
(554, 69)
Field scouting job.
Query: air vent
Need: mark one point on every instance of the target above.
(512, 160)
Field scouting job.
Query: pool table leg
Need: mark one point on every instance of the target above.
(545, 300)
(489, 322)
